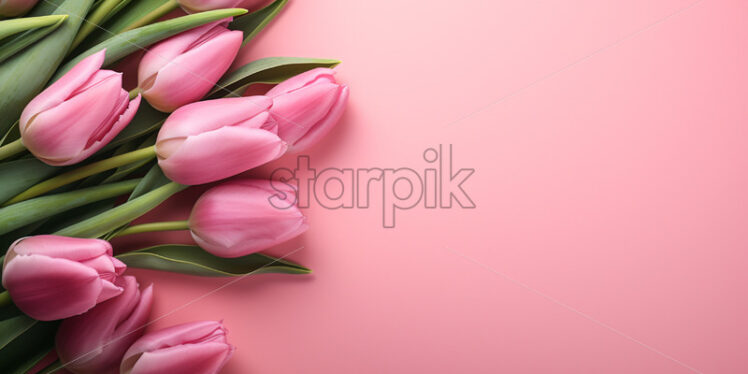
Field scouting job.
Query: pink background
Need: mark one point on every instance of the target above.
(610, 146)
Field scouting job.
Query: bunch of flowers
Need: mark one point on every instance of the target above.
(81, 158)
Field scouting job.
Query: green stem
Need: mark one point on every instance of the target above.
(155, 226)
(5, 299)
(93, 21)
(153, 15)
(114, 218)
(83, 172)
(33, 210)
(134, 92)
(11, 149)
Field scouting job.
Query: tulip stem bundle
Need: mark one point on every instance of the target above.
(11, 149)
(155, 226)
(83, 172)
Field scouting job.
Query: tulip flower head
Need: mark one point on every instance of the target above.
(182, 69)
(13, 8)
(244, 216)
(307, 107)
(215, 139)
(78, 114)
(195, 348)
(195, 6)
(53, 277)
(94, 342)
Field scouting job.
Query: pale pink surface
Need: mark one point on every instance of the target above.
(615, 186)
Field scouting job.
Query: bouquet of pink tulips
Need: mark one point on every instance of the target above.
(82, 157)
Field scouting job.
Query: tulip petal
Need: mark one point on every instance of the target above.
(60, 134)
(189, 76)
(202, 116)
(205, 358)
(122, 120)
(236, 219)
(200, 161)
(299, 110)
(75, 249)
(95, 342)
(47, 289)
(63, 88)
(302, 80)
(318, 131)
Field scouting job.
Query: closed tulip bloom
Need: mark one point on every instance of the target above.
(195, 348)
(194, 6)
(78, 114)
(94, 342)
(53, 277)
(211, 140)
(12, 8)
(244, 216)
(182, 69)
(307, 107)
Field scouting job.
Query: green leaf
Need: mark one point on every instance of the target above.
(19, 42)
(155, 178)
(26, 73)
(131, 13)
(104, 10)
(103, 223)
(193, 260)
(17, 176)
(123, 44)
(267, 70)
(24, 342)
(254, 22)
(18, 25)
(20, 214)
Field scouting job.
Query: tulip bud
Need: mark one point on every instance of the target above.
(244, 216)
(194, 6)
(195, 348)
(307, 107)
(13, 8)
(53, 277)
(215, 139)
(94, 342)
(182, 69)
(78, 114)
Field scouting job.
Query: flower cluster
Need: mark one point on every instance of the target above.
(184, 124)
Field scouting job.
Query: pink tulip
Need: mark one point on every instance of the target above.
(194, 6)
(211, 140)
(182, 69)
(195, 348)
(78, 114)
(307, 107)
(12, 8)
(244, 216)
(53, 277)
(94, 342)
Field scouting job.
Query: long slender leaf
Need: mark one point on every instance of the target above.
(24, 342)
(17, 176)
(18, 215)
(103, 223)
(103, 10)
(123, 44)
(254, 22)
(267, 70)
(19, 42)
(127, 16)
(193, 260)
(18, 25)
(25, 74)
